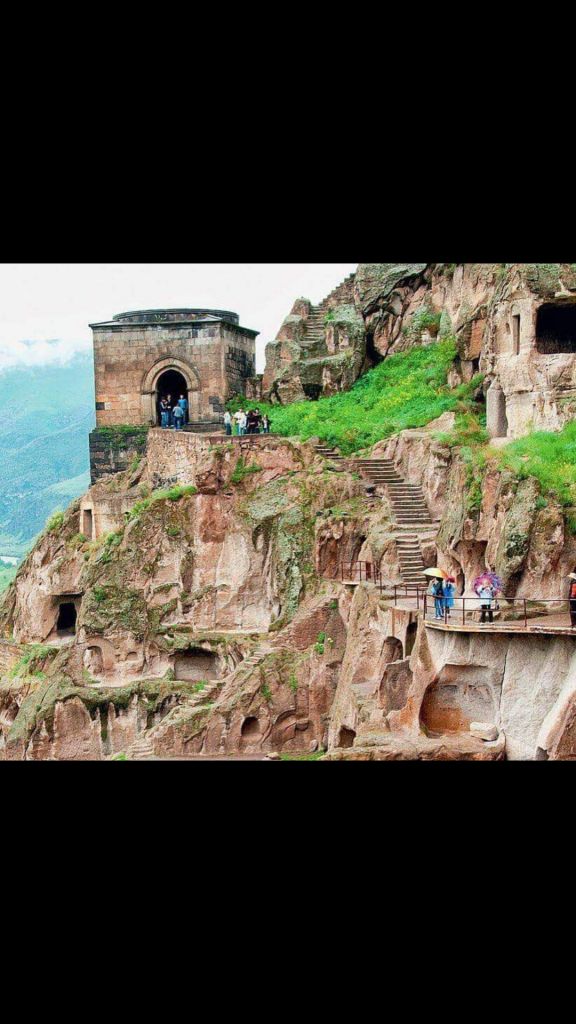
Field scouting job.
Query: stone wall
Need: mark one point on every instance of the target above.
(207, 460)
(113, 452)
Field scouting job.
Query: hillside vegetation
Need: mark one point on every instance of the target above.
(410, 390)
(406, 390)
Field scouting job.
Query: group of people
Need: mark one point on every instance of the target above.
(442, 590)
(250, 422)
(173, 414)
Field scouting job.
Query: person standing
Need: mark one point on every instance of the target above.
(183, 403)
(242, 422)
(164, 413)
(178, 414)
(228, 423)
(438, 594)
(257, 421)
(266, 424)
(237, 417)
(486, 596)
(449, 594)
(169, 407)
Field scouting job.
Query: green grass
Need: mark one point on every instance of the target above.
(303, 757)
(546, 456)
(241, 471)
(549, 457)
(171, 494)
(406, 390)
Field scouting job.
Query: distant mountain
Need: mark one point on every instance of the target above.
(46, 414)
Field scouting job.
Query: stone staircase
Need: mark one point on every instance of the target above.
(409, 509)
(410, 559)
(329, 453)
(407, 502)
(315, 326)
(259, 652)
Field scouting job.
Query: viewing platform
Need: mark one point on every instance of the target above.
(466, 619)
(510, 615)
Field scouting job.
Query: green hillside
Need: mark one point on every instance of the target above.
(406, 390)
(46, 415)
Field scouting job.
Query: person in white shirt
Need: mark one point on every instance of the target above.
(237, 417)
(242, 423)
(228, 423)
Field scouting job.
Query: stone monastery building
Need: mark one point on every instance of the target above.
(140, 356)
(203, 354)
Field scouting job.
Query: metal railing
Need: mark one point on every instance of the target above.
(360, 572)
(417, 590)
(367, 572)
(509, 609)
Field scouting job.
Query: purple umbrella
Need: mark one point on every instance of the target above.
(487, 578)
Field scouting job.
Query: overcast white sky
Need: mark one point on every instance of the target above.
(45, 308)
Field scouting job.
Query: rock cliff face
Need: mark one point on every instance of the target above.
(207, 616)
(176, 588)
(515, 323)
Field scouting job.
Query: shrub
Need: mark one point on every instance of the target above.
(320, 641)
(241, 471)
(55, 521)
(170, 494)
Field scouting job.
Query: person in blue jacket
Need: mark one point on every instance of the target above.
(183, 403)
(449, 590)
(438, 595)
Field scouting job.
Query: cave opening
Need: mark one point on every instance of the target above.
(66, 623)
(556, 329)
(195, 665)
(411, 638)
(346, 737)
(373, 357)
(250, 728)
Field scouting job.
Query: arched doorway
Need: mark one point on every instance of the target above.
(170, 377)
(171, 384)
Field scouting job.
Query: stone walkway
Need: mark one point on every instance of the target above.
(555, 623)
